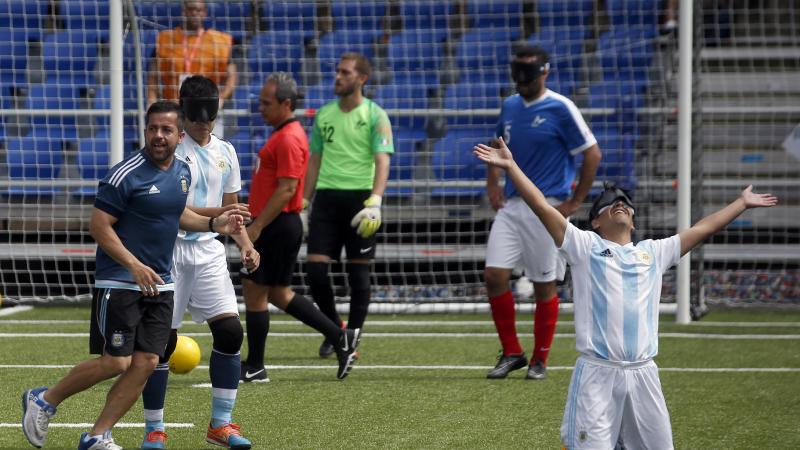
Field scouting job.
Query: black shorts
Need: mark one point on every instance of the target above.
(329, 225)
(124, 321)
(278, 245)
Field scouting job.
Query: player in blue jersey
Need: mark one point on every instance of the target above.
(202, 282)
(545, 131)
(615, 393)
(138, 209)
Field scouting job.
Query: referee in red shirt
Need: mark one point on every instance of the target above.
(276, 199)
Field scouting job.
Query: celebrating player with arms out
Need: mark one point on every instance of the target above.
(615, 393)
(545, 131)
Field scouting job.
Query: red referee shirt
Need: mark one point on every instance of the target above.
(284, 155)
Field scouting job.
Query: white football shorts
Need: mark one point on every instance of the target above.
(610, 403)
(519, 239)
(202, 281)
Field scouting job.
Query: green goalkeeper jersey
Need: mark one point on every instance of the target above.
(348, 143)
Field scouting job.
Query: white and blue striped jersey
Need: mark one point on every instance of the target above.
(215, 171)
(147, 203)
(616, 292)
(544, 135)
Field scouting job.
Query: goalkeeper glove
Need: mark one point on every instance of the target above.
(368, 220)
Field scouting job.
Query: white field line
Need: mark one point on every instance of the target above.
(90, 425)
(425, 323)
(702, 336)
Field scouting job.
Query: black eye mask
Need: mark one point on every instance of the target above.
(527, 72)
(610, 195)
(200, 109)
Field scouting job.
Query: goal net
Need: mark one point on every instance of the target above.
(440, 69)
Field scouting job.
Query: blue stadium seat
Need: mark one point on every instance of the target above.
(166, 15)
(408, 97)
(54, 97)
(246, 97)
(404, 159)
(294, 16)
(413, 50)
(147, 43)
(427, 78)
(496, 13)
(618, 163)
(231, 17)
(90, 15)
(93, 162)
(318, 95)
(483, 48)
(452, 160)
(247, 146)
(13, 58)
(363, 16)
(430, 15)
(70, 56)
(639, 15)
(24, 15)
(36, 157)
(102, 100)
(564, 20)
(566, 61)
(274, 51)
(464, 96)
(623, 98)
(626, 58)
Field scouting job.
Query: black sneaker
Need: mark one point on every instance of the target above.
(346, 351)
(253, 375)
(506, 364)
(326, 349)
(536, 371)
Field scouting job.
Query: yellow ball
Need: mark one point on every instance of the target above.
(185, 357)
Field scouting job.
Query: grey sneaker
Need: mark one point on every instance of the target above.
(506, 364)
(536, 371)
(104, 442)
(36, 415)
(346, 351)
(326, 349)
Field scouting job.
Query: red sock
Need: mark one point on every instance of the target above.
(544, 327)
(504, 318)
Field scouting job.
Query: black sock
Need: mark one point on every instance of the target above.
(303, 310)
(257, 330)
(360, 293)
(322, 290)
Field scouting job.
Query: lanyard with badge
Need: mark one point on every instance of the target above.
(188, 56)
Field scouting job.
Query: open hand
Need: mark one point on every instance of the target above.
(499, 157)
(753, 200)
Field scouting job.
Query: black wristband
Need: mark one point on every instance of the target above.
(211, 224)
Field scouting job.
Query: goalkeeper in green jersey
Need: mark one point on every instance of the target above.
(350, 148)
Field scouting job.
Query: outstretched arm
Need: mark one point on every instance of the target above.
(709, 225)
(501, 157)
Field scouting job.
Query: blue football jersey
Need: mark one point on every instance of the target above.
(148, 203)
(544, 136)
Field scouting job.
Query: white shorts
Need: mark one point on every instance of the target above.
(609, 403)
(202, 281)
(519, 239)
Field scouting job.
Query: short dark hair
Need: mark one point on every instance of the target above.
(533, 50)
(362, 63)
(165, 106)
(198, 86)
